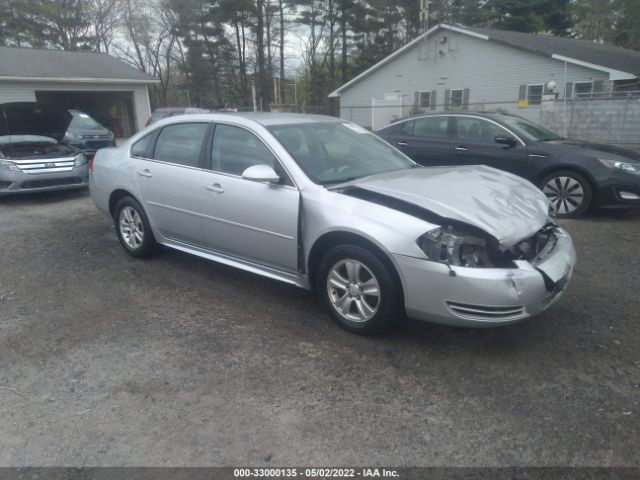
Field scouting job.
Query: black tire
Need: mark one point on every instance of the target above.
(388, 307)
(148, 246)
(554, 186)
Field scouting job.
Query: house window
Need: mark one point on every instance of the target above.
(534, 94)
(425, 99)
(583, 89)
(456, 98)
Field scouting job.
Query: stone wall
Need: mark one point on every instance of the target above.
(612, 120)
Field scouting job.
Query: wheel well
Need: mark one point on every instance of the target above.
(579, 171)
(115, 197)
(333, 239)
(554, 169)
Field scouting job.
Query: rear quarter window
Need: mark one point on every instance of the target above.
(141, 147)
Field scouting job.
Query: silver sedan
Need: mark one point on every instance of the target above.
(326, 205)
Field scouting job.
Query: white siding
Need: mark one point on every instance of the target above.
(24, 91)
(491, 71)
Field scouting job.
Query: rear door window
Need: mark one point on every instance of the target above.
(473, 129)
(141, 147)
(431, 127)
(181, 144)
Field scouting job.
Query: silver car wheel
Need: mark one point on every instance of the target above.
(565, 193)
(353, 290)
(131, 227)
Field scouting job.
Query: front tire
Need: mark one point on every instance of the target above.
(358, 290)
(133, 229)
(569, 192)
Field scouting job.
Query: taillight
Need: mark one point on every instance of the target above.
(91, 163)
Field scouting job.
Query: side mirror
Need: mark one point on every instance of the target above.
(506, 141)
(261, 173)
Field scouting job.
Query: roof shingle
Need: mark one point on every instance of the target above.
(35, 63)
(608, 56)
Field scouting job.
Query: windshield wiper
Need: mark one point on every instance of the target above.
(342, 180)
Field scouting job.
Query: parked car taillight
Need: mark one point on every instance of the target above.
(91, 163)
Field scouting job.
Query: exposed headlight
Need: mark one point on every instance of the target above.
(445, 245)
(8, 165)
(81, 160)
(628, 167)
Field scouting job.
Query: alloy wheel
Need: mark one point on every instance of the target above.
(131, 227)
(353, 290)
(565, 193)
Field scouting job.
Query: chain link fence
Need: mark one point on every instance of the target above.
(612, 118)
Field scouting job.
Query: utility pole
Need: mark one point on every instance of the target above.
(424, 18)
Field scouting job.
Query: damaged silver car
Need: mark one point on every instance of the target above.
(32, 157)
(326, 205)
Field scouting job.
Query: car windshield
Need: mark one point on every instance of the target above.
(338, 152)
(527, 129)
(82, 120)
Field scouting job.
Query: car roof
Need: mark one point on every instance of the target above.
(170, 109)
(463, 113)
(265, 119)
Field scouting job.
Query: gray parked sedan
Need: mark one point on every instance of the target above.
(324, 204)
(32, 158)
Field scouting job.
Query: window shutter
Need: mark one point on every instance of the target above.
(568, 90)
(417, 100)
(465, 99)
(522, 94)
(447, 97)
(433, 99)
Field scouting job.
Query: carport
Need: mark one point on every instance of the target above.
(108, 89)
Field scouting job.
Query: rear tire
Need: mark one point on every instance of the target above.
(358, 290)
(133, 229)
(569, 192)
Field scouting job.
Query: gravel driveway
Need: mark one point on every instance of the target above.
(107, 360)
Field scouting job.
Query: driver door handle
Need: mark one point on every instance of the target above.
(402, 144)
(216, 187)
(144, 173)
(462, 149)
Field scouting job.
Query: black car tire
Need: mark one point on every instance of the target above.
(569, 192)
(135, 247)
(388, 308)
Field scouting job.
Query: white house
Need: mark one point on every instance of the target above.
(96, 83)
(452, 67)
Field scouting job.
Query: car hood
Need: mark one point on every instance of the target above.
(505, 206)
(595, 149)
(32, 118)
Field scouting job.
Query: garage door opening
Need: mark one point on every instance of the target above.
(114, 110)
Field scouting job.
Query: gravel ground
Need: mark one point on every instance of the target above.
(108, 360)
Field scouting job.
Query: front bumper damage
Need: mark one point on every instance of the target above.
(484, 297)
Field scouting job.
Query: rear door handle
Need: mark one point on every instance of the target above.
(144, 173)
(402, 144)
(462, 149)
(216, 187)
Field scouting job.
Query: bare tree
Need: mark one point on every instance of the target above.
(106, 20)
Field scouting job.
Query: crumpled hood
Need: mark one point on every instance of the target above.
(505, 206)
(32, 118)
